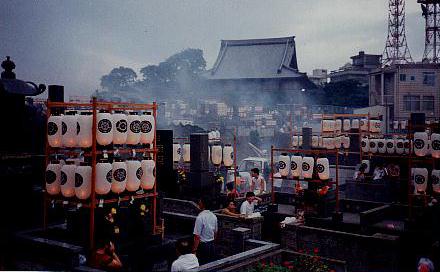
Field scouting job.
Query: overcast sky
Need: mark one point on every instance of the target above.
(74, 43)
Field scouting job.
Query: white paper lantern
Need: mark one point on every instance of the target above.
(435, 145)
(104, 177)
(300, 141)
(104, 130)
(69, 129)
(328, 125)
(373, 145)
(381, 146)
(307, 167)
(149, 178)
(295, 141)
(346, 125)
(134, 129)
(120, 125)
(420, 143)
(134, 175)
(54, 130)
(323, 168)
(366, 164)
(228, 155)
(216, 154)
(420, 179)
(53, 178)
(321, 141)
(355, 124)
(375, 126)
(403, 124)
(295, 166)
(148, 127)
(435, 181)
(85, 123)
(283, 164)
(365, 145)
(67, 179)
(315, 141)
(363, 125)
(396, 124)
(399, 146)
(328, 142)
(217, 135)
(211, 137)
(337, 142)
(119, 172)
(391, 146)
(177, 152)
(338, 125)
(83, 181)
(345, 142)
(186, 152)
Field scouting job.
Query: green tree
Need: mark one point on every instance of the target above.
(349, 93)
(118, 79)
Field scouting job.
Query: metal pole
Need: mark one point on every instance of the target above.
(337, 181)
(155, 160)
(271, 173)
(235, 159)
(93, 195)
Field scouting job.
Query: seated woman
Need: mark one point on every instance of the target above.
(231, 192)
(231, 209)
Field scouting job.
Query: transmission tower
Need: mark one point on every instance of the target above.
(430, 11)
(396, 50)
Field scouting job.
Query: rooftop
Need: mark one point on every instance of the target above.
(256, 58)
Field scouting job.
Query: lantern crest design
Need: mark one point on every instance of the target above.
(104, 126)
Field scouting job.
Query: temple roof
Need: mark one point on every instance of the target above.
(256, 58)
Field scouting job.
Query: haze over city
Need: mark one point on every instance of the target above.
(77, 42)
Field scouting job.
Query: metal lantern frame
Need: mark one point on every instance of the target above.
(93, 153)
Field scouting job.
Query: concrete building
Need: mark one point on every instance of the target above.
(319, 77)
(252, 68)
(407, 88)
(361, 65)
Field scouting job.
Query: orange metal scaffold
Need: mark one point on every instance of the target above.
(91, 202)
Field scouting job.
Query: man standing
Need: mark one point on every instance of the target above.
(258, 184)
(205, 232)
(247, 207)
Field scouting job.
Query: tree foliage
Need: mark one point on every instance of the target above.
(349, 93)
(118, 79)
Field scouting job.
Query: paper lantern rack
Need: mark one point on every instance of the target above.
(92, 153)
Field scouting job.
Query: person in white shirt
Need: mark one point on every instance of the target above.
(379, 172)
(258, 184)
(186, 259)
(248, 206)
(205, 232)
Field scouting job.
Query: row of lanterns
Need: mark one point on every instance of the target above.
(219, 154)
(420, 180)
(72, 180)
(324, 142)
(422, 144)
(298, 166)
(75, 130)
(339, 125)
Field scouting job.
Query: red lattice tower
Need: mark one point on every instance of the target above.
(430, 11)
(396, 49)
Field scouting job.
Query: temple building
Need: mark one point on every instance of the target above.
(258, 66)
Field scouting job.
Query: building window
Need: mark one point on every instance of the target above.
(428, 103)
(402, 77)
(413, 78)
(429, 78)
(411, 102)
